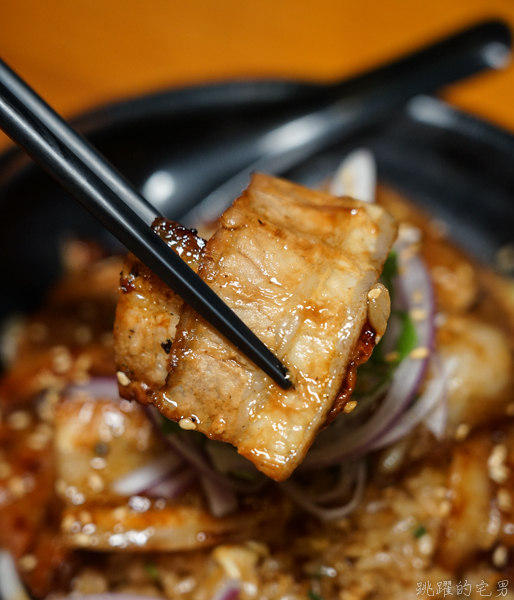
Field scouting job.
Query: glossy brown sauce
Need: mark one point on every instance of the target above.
(361, 353)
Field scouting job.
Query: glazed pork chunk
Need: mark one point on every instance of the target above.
(147, 315)
(300, 268)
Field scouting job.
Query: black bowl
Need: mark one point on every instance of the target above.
(458, 167)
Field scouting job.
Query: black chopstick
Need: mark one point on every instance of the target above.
(25, 99)
(51, 143)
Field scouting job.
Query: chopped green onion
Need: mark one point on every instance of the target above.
(151, 570)
(408, 337)
(245, 475)
(419, 531)
(389, 272)
(313, 596)
(169, 427)
(375, 373)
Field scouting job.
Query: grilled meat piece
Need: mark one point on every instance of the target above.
(147, 316)
(297, 266)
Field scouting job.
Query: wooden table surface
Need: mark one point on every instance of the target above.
(80, 53)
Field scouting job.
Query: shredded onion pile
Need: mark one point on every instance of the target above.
(354, 435)
(412, 392)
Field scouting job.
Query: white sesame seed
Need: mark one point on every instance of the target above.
(19, 420)
(78, 499)
(462, 432)
(374, 293)
(89, 528)
(445, 508)
(62, 360)
(95, 483)
(498, 471)
(98, 463)
(139, 504)
(350, 406)
(426, 544)
(419, 353)
(16, 487)
(417, 296)
(497, 456)
(508, 528)
(500, 557)
(60, 487)
(67, 522)
(40, 438)
(187, 424)
(29, 483)
(391, 357)
(126, 406)
(83, 362)
(440, 492)
(504, 500)
(499, 474)
(418, 314)
(122, 378)
(81, 539)
(440, 319)
(75, 527)
(70, 491)
(120, 513)
(27, 563)
(85, 517)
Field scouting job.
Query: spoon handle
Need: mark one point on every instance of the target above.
(353, 105)
(485, 45)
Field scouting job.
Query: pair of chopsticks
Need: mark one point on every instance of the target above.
(104, 192)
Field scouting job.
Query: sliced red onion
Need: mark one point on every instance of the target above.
(229, 590)
(339, 442)
(437, 420)
(11, 587)
(107, 596)
(356, 176)
(347, 473)
(174, 486)
(297, 494)
(147, 476)
(225, 459)
(97, 387)
(196, 457)
(433, 395)
(221, 499)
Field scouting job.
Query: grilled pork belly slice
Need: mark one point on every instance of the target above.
(297, 266)
(147, 315)
(99, 442)
(167, 526)
(105, 446)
